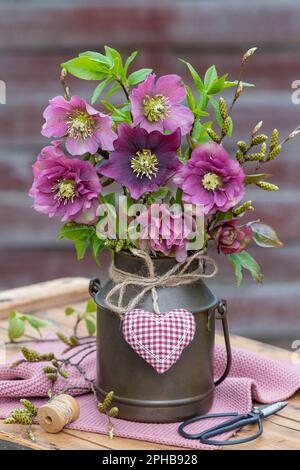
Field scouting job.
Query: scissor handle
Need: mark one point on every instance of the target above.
(205, 437)
(190, 421)
(236, 421)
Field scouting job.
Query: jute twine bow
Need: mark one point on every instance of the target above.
(176, 276)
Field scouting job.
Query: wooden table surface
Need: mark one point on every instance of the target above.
(281, 431)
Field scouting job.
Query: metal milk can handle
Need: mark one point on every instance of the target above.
(221, 314)
(94, 286)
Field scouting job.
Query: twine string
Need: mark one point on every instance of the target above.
(176, 276)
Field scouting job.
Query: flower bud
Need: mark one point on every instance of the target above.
(248, 54)
(274, 152)
(64, 373)
(213, 135)
(267, 186)
(223, 108)
(246, 206)
(242, 145)
(113, 412)
(52, 377)
(31, 355)
(259, 139)
(29, 406)
(257, 127)
(108, 399)
(226, 126)
(254, 157)
(239, 156)
(274, 139)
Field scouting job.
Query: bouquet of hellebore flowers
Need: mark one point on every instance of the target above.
(162, 152)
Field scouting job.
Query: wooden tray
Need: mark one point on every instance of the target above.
(282, 432)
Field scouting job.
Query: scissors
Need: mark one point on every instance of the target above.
(236, 421)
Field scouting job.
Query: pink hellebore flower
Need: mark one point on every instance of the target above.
(210, 178)
(66, 187)
(165, 231)
(155, 106)
(86, 128)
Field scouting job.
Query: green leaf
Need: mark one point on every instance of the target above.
(86, 68)
(246, 261)
(81, 246)
(235, 82)
(74, 231)
(97, 244)
(190, 99)
(159, 194)
(265, 236)
(199, 131)
(16, 326)
(118, 115)
(210, 76)
(116, 60)
(237, 267)
(217, 85)
(195, 76)
(99, 89)
(115, 87)
(203, 101)
(90, 326)
(90, 306)
(222, 216)
(37, 323)
(138, 76)
(113, 55)
(216, 109)
(108, 106)
(129, 60)
(256, 177)
(69, 311)
(97, 57)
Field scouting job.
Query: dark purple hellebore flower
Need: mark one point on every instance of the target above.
(230, 237)
(142, 162)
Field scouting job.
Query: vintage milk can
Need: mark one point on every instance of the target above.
(140, 393)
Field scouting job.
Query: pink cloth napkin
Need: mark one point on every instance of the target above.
(252, 377)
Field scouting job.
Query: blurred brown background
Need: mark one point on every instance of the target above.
(36, 36)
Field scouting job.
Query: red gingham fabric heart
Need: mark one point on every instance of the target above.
(159, 338)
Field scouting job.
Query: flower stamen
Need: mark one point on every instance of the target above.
(211, 181)
(156, 108)
(65, 190)
(80, 124)
(144, 163)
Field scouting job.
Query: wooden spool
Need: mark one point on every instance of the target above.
(60, 411)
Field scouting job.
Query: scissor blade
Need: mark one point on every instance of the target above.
(272, 409)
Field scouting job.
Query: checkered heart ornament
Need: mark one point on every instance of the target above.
(159, 338)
